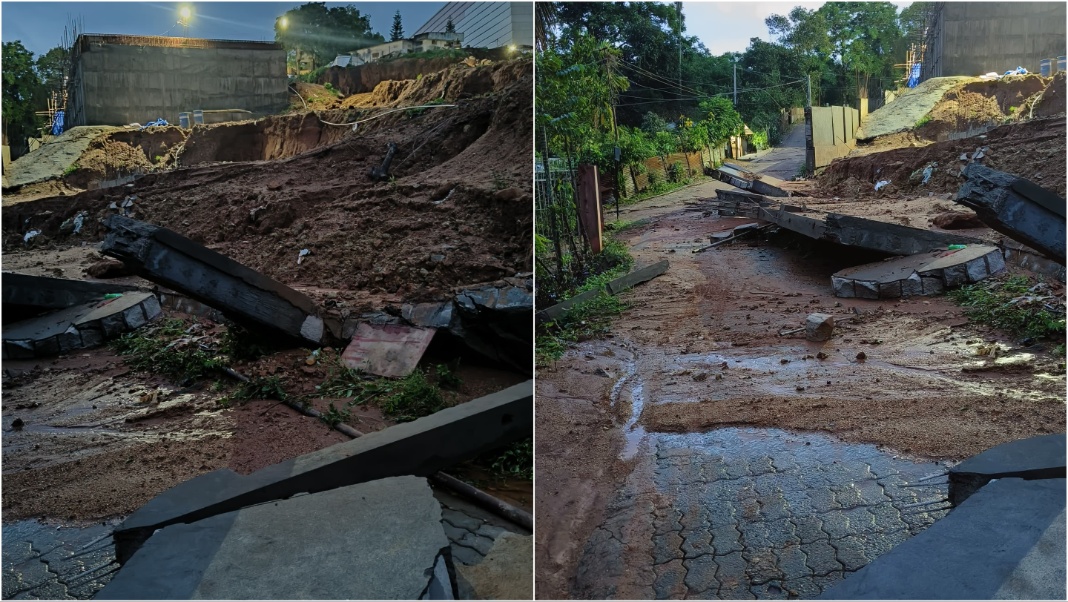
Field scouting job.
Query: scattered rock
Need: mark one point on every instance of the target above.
(108, 268)
(862, 356)
(17, 424)
(819, 327)
(821, 356)
(700, 377)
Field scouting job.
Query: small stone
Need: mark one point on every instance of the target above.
(819, 327)
(862, 356)
(821, 356)
(17, 424)
(700, 377)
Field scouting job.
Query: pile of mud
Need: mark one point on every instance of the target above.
(457, 211)
(364, 78)
(1034, 150)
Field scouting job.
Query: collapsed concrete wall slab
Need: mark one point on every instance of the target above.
(922, 274)
(243, 294)
(380, 540)
(1018, 208)
(420, 448)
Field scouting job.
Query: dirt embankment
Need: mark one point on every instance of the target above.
(365, 78)
(1031, 149)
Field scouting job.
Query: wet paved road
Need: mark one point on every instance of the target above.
(43, 561)
(742, 513)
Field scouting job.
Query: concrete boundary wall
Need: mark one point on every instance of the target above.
(116, 80)
(831, 132)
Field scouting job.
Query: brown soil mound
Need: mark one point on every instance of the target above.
(457, 212)
(312, 97)
(124, 152)
(981, 105)
(1033, 149)
(1052, 101)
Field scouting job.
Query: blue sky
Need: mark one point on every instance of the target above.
(39, 25)
(728, 26)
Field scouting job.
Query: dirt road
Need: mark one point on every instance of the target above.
(695, 452)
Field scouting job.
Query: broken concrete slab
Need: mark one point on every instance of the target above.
(849, 230)
(1004, 542)
(243, 294)
(46, 293)
(1018, 208)
(376, 540)
(387, 350)
(79, 327)
(819, 327)
(747, 181)
(421, 448)
(497, 321)
(507, 572)
(557, 311)
(923, 274)
(637, 277)
(1033, 458)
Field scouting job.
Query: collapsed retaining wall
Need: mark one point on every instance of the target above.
(831, 132)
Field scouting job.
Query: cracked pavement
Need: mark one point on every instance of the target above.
(745, 513)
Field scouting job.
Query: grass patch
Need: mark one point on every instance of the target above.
(924, 120)
(165, 349)
(403, 400)
(1004, 304)
(513, 462)
(656, 189)
(73, 167)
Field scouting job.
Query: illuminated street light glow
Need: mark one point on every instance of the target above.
(283, 22)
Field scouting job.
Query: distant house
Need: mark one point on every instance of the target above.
(421, 42)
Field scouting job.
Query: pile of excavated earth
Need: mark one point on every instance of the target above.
(353, 210)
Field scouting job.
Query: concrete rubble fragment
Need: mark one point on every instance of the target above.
(241, 293)
(747, 181)
(613, 288)
(79, 327)
(383, 540)
(1040, 457)
(819, 327)
(505, 574)
(387, 350)
(1018, 208)
(923, 274)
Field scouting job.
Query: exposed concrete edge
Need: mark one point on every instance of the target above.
(419, 448)
(614, 287)
(1041, 457)
(67, 292)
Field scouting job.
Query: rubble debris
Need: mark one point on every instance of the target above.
(421, 447)
(387, 350)
(262, 551)
(41, 293)
(505, 573)
(79, 326)
(747, 181)
(108, 268)
(923, 274)
(381, 173)
(244, 295)
(819, 327)
(855, 231)
(881, 184)
(495, 320)
(1018, 208)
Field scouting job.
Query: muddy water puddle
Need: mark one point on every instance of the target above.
(738, 513)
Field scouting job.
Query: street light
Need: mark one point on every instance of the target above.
(185, 14)
(283, 22)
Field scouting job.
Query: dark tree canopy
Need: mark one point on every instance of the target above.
(397, 31)
(324, 32)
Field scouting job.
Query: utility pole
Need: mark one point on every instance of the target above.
(678, 17)
(810, 89)
(736, 81)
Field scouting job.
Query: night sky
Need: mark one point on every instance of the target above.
(39, 25)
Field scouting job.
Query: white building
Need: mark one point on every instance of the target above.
(487, 24)
(420, 42)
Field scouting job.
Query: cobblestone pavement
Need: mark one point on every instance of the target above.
(470, 529)
(42, 561)
(744, 513)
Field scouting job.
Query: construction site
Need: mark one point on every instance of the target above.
(301, 341)
(814, 389)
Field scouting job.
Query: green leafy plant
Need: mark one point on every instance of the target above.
(164, 348)
(73, 167)
(447, 379)
(514, 462)
(335, 416)
(992, 303)
(924, 120)
(412, 398)
(261, 387)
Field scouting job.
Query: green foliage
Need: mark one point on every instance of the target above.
(760, 140)
(22, 95)
(413, 398)
(335, 416)
(397, 31)
(330, 88)
(674, 172)
(73, 167)
(323, 32)
(261, 387)
(514, 462)
(720, 118)
(447, 379)
(312, 77)
(159, 348)
(923, 120)
(433, 53)
(991, 303)
(243, 345)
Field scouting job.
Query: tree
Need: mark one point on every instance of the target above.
(397, 32)
(323, 32)
(21, 95)
(450, 27)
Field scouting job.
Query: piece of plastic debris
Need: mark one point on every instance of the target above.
(30, 235)
(79, 221)
(957, 247)
(927, 171)
(303, 253)
(881, 184)
(112, 295)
